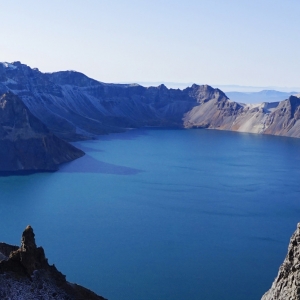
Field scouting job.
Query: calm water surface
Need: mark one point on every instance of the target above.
(164, 214)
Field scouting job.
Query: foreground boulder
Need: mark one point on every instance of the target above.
(26, 145)
(287, 283)
(26, 274)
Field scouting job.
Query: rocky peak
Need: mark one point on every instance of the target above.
(71, 78)
(28, 241)
(162, 87)
(29, 255)
(204, 93)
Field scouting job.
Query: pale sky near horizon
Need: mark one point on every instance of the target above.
(253, 43)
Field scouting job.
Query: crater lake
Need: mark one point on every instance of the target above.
(164, 214)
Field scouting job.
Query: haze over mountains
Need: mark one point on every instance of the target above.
(259, 97)
(76, 107)
(225, 88)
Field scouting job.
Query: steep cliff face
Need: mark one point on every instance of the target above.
(26, 274)
(214, 111)
(25, 142)
(285, 120)
(287, 283)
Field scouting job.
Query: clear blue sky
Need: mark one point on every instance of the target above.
(241, 42)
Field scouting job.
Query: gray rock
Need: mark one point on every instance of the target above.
(286, 285)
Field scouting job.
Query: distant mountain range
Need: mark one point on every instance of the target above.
(224, 87)
(259, 97)
(76, 107)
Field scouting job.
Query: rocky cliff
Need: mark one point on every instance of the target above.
(26, 274)
(25, 143)
(74, 106)
(286, 285)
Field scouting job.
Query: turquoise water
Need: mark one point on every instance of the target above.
(164, 214)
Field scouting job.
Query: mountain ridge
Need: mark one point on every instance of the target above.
(76, 107)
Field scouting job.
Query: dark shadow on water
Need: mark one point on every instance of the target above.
(88, 164)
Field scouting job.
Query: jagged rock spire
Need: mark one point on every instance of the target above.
(28, 240)
(287, 283)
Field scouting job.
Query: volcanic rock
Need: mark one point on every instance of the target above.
(76, 107)
(287, 283)
(26, 274)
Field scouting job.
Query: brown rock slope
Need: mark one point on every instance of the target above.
(25, 143)
(218, 112)
(286, 285)
(26, 274)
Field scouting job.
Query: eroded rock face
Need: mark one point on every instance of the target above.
(26, 274)
(25, 142)
(286, 285)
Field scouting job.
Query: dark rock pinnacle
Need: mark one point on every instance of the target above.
(28, 240)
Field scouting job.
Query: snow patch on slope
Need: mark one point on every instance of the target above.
(8, 65)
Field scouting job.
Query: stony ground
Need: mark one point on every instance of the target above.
(39, 286)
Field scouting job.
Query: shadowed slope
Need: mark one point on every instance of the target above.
(25, 142)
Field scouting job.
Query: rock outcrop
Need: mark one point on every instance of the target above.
(26, 145)
(26, 274)
(286, 285)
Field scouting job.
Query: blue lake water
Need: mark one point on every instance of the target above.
(164, 214)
